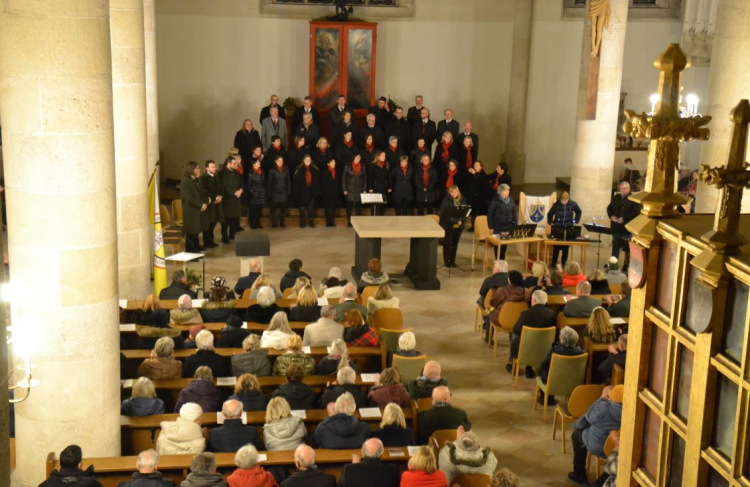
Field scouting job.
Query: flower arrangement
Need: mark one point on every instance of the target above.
(194, 280)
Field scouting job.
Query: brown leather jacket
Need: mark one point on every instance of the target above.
(160, 368)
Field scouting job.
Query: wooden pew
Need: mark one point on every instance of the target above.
(557, 302)
(593, 349)
(13, 452)
(141, 433)
(579, 324)
(168, 304)
(111, 471)
(618, 375)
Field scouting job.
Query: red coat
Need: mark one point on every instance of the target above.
(572, 281)
(254, 477)
(422, 479)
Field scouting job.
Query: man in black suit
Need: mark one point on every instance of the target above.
(620, 309)
(370, 471)
(233, 435)
(498, 279)
(308, 474)
(400, 128)
(448, 125)
(248, 281)
(206, 355)
(308, 130)
(425, 128)
(474, 138)
(371, 129)
(177, 288)
(266, 111)
(415, 113)
(382, 113)
(538, 316)
(441, 416)
(336, 114)
(307, 107)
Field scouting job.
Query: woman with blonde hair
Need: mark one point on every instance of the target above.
(253, 360)
(282, 430)
(299, 285)
(539, 274)
(423, 471)
(572, 274)
(144, 314)
(453, 227)
(247, 391)
(294, 356)
(185, 313)
(393, 431)
(599, 328)
(389, 389)
(383, 299)
(357, 333)
(264, 308)
(143, 400)
(277, 333)
(336, 360)
(263, 280)
(307, 308)
(599, 283)
(323, 154)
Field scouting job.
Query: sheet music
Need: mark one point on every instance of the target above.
(322, 301)
(262, 457)
(369, 412)
(197, 303)
(244, 325)
(617, 321)
(369, 377)
(126, 383)
(306, 350)
(371, 198)
(412, 450)
(123, 303)
(299, 413)
(128, 327)
(226, 381)
(396, 452)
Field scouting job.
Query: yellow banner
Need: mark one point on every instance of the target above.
(160, 269)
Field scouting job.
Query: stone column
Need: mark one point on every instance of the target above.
(131, 166)
(728, 83)
(152, 96)
(594, 150)
(56, 105)
(514, 154)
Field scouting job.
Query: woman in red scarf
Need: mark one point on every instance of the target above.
(453, 226)
(445, 150)
(379, 181)
(354, 183)
(322, 153)
(306, 187)
(393, 152)
(331, 190)
(453, 176)
(419, 150)
(501, 176)
(256, 194)
(403, 186)
(466, 158)
(425, 185)
(345, 150)
(368, 151)
(477, 189)
(279, 191)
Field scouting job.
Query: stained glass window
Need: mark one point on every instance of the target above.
(657, 370)
(665, 277)
(736, 317)
(724, 412)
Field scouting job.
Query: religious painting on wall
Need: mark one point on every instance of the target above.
(359, 74)
(326, 71)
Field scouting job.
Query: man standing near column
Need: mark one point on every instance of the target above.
(232, 186)
(195, 203)
(620, 211)
(212, 187)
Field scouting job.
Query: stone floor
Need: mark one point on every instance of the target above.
(503, 417)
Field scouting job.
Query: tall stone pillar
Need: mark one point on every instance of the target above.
(515, 155)
(152, 95)
(727, 85)
(596, 132)
(56, 105)
(131, 166)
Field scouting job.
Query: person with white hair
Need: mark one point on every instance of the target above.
(203, 472)
(567, 346)
(497, 280)
(369, 470)
(206, 355)
(161, 365)
(264, 308)
(332, 286)
(323, 331)
(248, 472)
(537, 316)
(431, 378)
(348, 302)
(342, 430)
(466, 456)
(407, 344)
(246, 282)
(184, 313)
(232, 435)
(344, 383)
(147, 474)
(282, 430)
(308, 474)
(184, 435)
(613, 274)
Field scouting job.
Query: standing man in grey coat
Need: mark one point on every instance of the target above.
(273, 125)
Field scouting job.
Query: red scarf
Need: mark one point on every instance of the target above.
(356, 167)
(332, 170)
(426, 174)
(449, 181)
(380, 163)
(308, 176)
(497, 182)
(469, 159)
(421, 149)
(257, 171)
(349, 144)
(393, 149)
(280, 168)
(446, 155)
(369, 147)
(404, 169)
(240, 168)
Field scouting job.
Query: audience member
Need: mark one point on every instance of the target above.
(298, 394)
(538, 316)
(357, 333)
(393, 430)
(294, 356)
(144, 314)
(388, 389)
(613, 275)
(619, 305)
(184, 435)
(161, 365)
(505, 478)
(369, 471)
(206, 355)
(341, 430)
(308, 474)
(599, 282)
(201, 391)
(177, 287)
(514, 292)
(374, 275)
(248, 281)
(407, 344)
(192, 334)
(147, 474)
(71, 473)
(348, 302)
(441, 416)
(278, 332)
(203, 472)
(147, 335)
(599, 328)
(538, 277)
(501, 214)
(323, 331)
(332, 286)
(220, 282)
(247, 390)
(233, 334)
(282, 431)
(592, 429)
(344, 383)
(263, 280)
(572, 275)
(253, 360)
(249, 473)
(583, 304)
(554, 285)
(336, 360)
(423, 470)
(567, 346)
(424, 385)
(218, 308)
(383, 299)
(300, 284)
(617, 356)
(232, 435)
(184, 313)
(465, 456)
(143, 400)
(307, 307)
(290, 277)
(264, 308)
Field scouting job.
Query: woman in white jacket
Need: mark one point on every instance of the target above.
(282, 431)
(466, 456)
(184, 435)
(277, 333)
(383, 299)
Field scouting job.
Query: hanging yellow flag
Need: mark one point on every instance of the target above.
(160, 268)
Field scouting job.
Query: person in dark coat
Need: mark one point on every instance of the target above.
(453, 175)
(143, 400)
(246, 139)
(256, 194)
(501, 214)
(501, 176)
(537, 316)
(341, 430)
(371, 129)
(413, 113)
(206, 356)
(212, 187)
(477, 190)
(195, 203)
(201, 391)
(424, 128)
(322, 154)
(420, 149)
(441, 416)
(567, 346)
(265, 112)
(474, 139)
(353, 183)
(448, 125)
(306, 187)
(296, 154)
(264, 308)
(368, 150)
(246, 282)
(248, 392)
(621, 211)
(393, 152)
(379, 181)
(453, 227)
(445, 151)
(330, 195)
(308, 474)
(338, 113)
(339, 130)
(159, 327)
(274, 152)
(233, 435)
(218, 309)
(617, 356)
(346, 149)
(393, 430)
(425, 185)
(400, 128)
(307, 107)
(290, 277)
(467, 155)
(344, 383)
(497, 280)
(370, 471)
(298, 394)
(233, 186)
(233, 334)
(564, 212)
(279, 191)
(381, 112)
(257, 155)
(308, 131)
(70, 473)
(403, 186)
(621, 308)
(147, 474)
(177, 288)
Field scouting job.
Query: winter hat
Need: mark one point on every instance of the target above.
(160, 318)
(218, 281)
(468, 442)
(613, 264)
(184, 302)
(190, 411)
(234, 322)
(194, 330)
(615, 395)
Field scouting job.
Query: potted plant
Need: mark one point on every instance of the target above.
(194, 280)
(290, 106)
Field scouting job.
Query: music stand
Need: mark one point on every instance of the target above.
(373, 199)
(448, 213)
(599, 230)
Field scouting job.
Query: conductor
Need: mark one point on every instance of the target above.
(453, 226)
